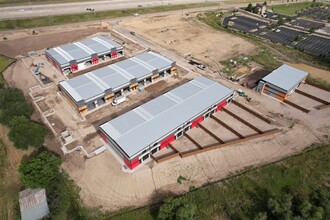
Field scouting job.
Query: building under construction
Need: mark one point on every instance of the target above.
(282, 82)
(143, 131)
(90, 90)
(80, 55)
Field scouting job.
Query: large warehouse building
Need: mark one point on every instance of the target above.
(143, 131)
(282, 82)
(95, 88)
(80, 55)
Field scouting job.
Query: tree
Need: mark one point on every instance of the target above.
(186, 211)
(42, 171)
(305, 209)
(249, 7)
(24, 133)
(312, 30)
(176, 209)
(261, 216)
(280, 20)
(15, 109)
(9, 96)
(281, 206)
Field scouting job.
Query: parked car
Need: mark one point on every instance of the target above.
(118, 100)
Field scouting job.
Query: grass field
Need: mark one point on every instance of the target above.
(4, 63)
(291, 9)
(9, 179)
(320, 82)
(11, 24)
(241, 196)
(4, 3)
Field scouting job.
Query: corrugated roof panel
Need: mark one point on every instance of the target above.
(144, 134)
(285, 77)
(74, 94)
(56, 56)
(157, 106)
(114, 76)
(76, 52)
(81, 53)
(155, 60)
(124, 124)
(111, 77)
(186, 91)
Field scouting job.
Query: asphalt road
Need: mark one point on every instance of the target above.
(28, 11)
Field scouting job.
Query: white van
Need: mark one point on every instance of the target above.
(118, 100)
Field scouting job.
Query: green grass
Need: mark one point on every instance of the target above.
(4, 63)
(241, 196)
(8, 186)
(4, 3)
(11, 24)
(319, 82)
(266, 57)
(291, 9)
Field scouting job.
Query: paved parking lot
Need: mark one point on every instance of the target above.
(315, 45)
(307, 24)
(283, 35)
(317, 13)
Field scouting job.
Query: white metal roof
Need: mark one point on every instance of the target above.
(115, 76)
(82, 50)
(150, 122)
(285, 77)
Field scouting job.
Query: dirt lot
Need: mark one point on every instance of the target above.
(113, 189)
(101, 179)
(22, 43)
(185, 35)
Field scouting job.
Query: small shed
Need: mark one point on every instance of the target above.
(33, 204)
(282, 82)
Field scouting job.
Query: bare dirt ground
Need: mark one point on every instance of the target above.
(101, 179)
(22, 43)
(186, 35)
(103, 182)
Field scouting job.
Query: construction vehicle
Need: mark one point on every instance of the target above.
(243, 94)
(38, 65)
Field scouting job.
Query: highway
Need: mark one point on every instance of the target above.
(29, 11)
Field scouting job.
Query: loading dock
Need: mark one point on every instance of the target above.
(93, 89)
(153, 126)
(181, 150)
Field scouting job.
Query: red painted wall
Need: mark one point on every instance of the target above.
(197, 121)
(131, 164)
(168, 140)
(74, 67)
(104, 138)
(221, 105)
(95, 60)
(114, 54)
